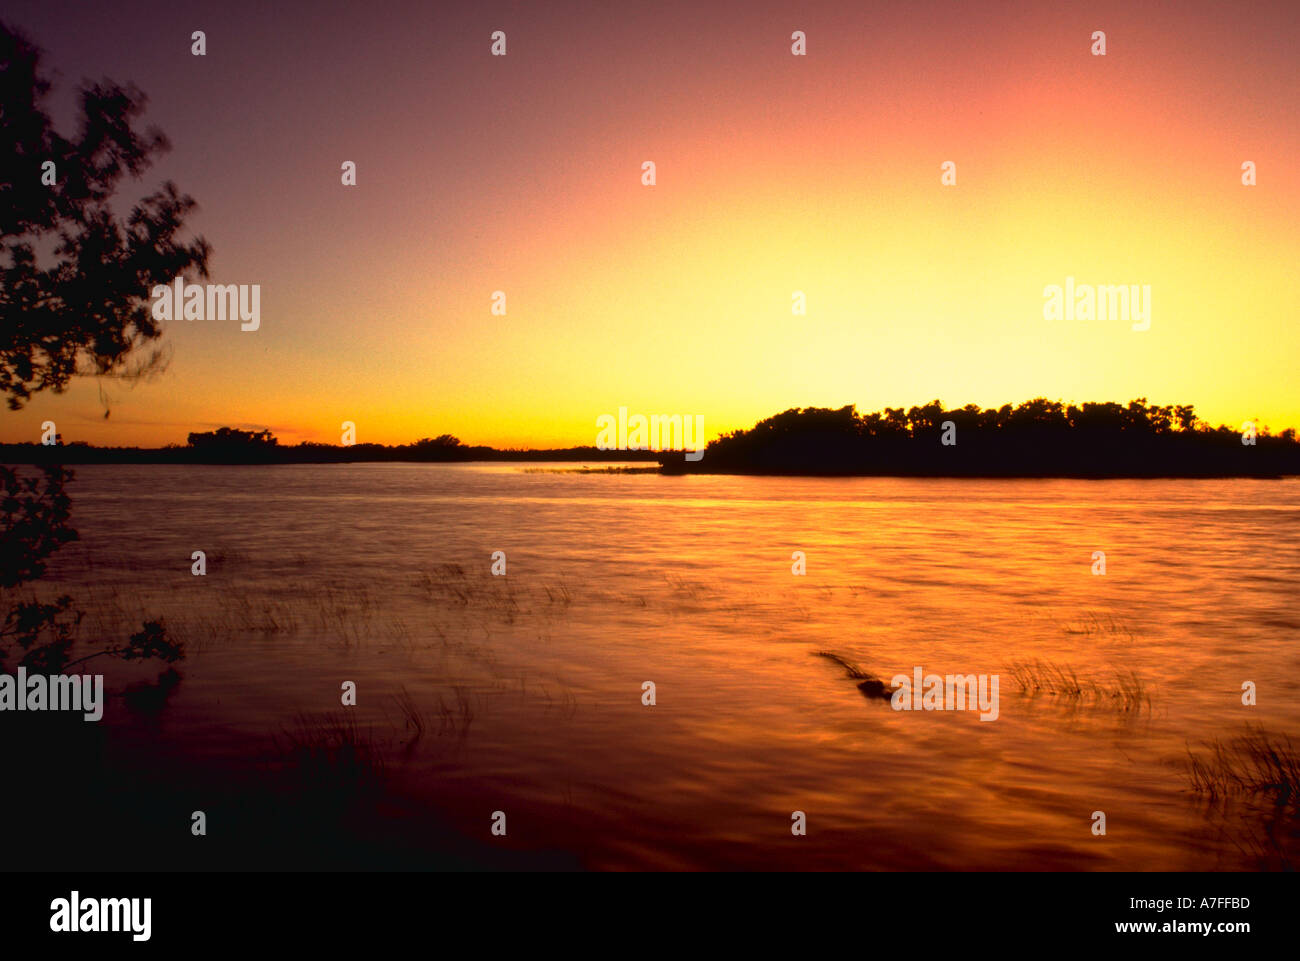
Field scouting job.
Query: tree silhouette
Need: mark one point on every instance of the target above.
(224, 437)
(84, 308)
(1037, 438)
(81, 309)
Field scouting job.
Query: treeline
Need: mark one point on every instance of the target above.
(1039, 438)
(231, 445)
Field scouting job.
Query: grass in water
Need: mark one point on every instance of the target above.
(1127, 692)
(331, 752)
(1255, 763)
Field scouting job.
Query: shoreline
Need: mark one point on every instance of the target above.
(645, 465)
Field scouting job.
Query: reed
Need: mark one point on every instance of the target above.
(1126, 691)
(331, 751)
(1255, 763)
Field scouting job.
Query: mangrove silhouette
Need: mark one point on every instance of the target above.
(1038, 438)
(229, 445)
(78, 253)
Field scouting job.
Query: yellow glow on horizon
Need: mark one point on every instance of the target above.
(676, 299)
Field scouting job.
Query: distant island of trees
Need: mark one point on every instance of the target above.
(232, 445)
(1038, 438)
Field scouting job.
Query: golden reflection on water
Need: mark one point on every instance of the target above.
(528, 687)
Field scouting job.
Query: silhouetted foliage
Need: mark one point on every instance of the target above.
(233, 437)
(43, 632)
(87, 311)
(234, 446)
(34, 515)
(441, 442)
(1038, 438)
(309, 452)
(151, 640)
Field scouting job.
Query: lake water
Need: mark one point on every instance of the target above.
(530, 685)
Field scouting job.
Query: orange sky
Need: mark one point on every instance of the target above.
(775, 174)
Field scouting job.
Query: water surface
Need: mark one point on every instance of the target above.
(532, 682)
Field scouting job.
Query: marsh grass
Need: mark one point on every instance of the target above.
(332, 766)
(560, 595)
(331, 752)
(337, 764)
(1252, 782)
(455, 719)
(453, 586)
(413, 719)
(1093, 624)
(1125, 692)
(347, 615)
(1255, 764)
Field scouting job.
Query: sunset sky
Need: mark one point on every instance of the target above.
(775, 173)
